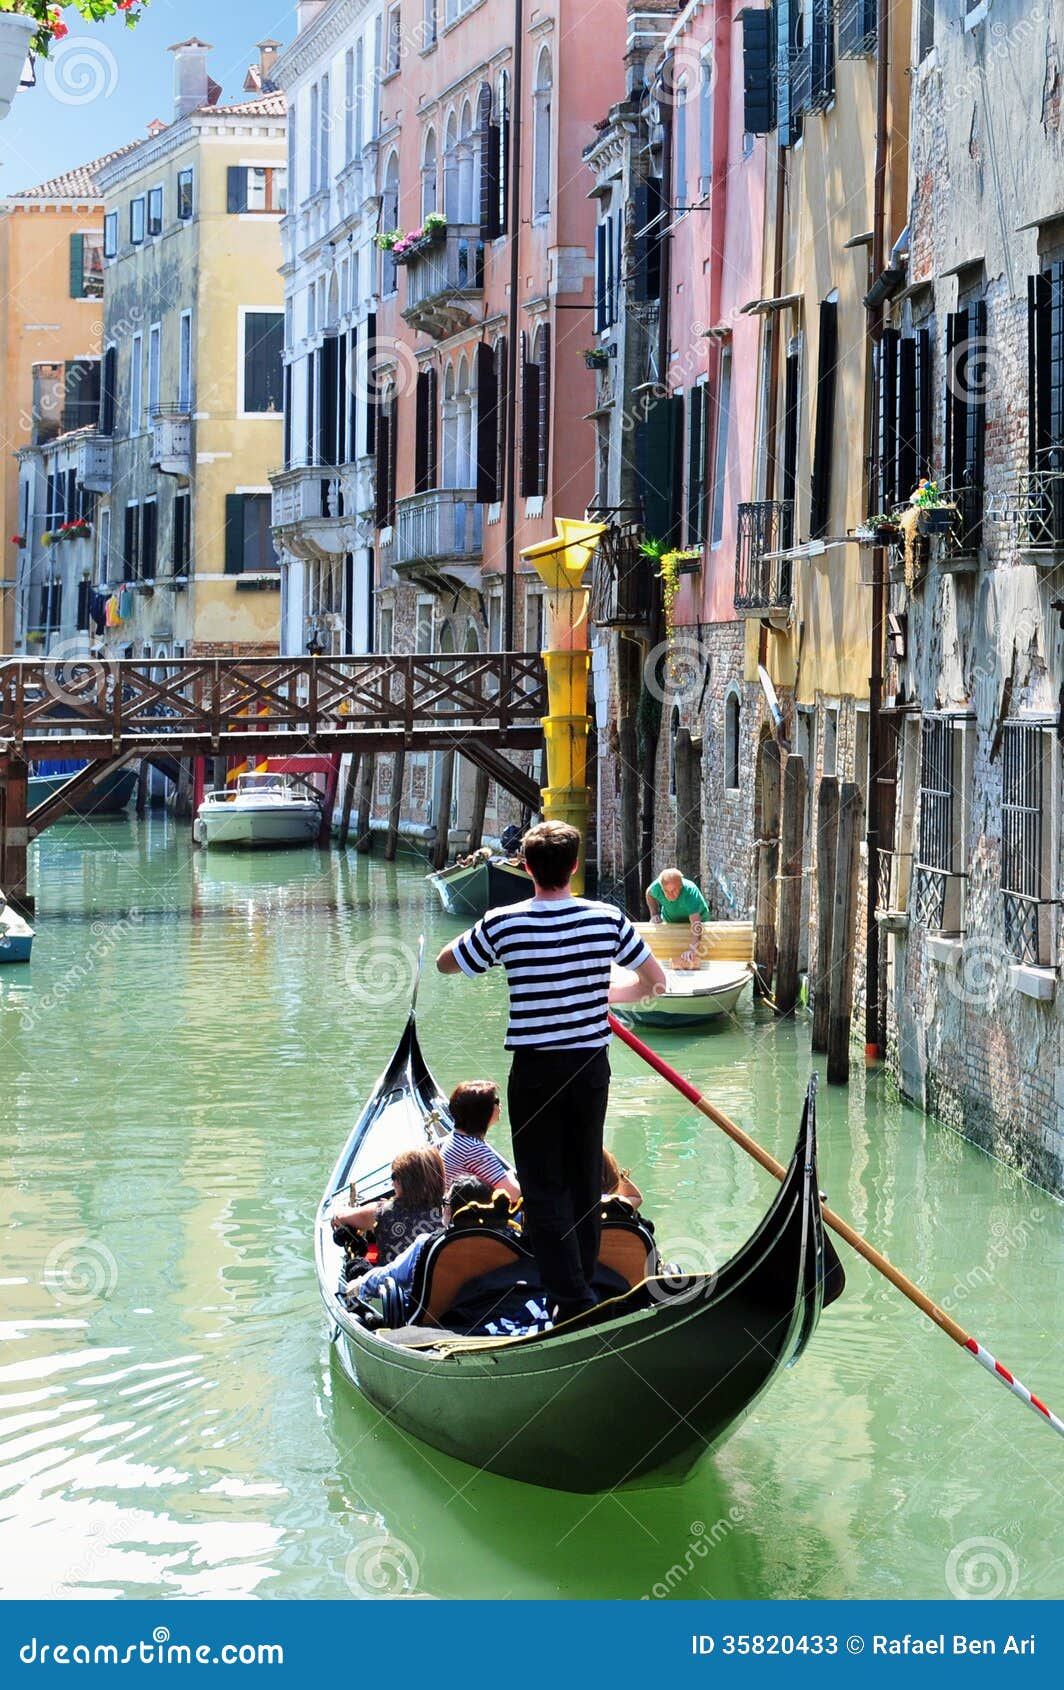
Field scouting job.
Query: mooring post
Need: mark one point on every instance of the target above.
(391, 843)
(364, 842)
(442, 846)
(350, 783)
(480, 804)
(827, 850)
(768, 861)
(842, 935)
(16, 832)
(790, 884)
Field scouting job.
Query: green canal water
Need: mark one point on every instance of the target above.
(177, 1071)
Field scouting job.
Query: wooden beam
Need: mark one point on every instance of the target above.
(441, 849)
(827, 847)
(391, 843)
(842, 935)
(789, 923)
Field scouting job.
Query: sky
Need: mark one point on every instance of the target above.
(105, 83)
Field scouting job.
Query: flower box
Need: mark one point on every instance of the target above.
(935, 519)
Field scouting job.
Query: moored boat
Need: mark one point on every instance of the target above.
(16, 934)
(483, 882)
(264, 810)
(660, 1372)
(694, 996)
(109, 798)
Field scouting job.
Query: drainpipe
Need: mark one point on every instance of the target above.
(513, 330)
(873, 1009)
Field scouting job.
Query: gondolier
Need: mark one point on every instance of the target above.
(557, 951)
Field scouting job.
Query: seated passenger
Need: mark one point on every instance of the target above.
(616, 1181)
(475, 1107)
(463, 1191)
(414, 1209)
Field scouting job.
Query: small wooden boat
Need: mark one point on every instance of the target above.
(265, 810)
(488, 880)
(16, 935)
(661, 1372)
(694, 996)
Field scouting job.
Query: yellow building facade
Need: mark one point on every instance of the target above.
(191, 416)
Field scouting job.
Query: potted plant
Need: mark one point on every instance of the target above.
(596, 357)
(388, 239)
(31, 26)
(879, 530)
(934, 512)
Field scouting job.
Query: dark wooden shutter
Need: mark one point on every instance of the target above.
(369, 382)
(1045, 353)
(149, 539)
(432, 443)
(328, 399)
(107, 391)
(382, 461)
(234, 533)
(966, 415)
(237, 188)
(129, 543)
(822, 54)
(422, 401)
(311, 415)
(788, 121)
(528, 403)
(502, 129)
(824, 436)
(393, 457)
(352, 395)
(488, 141)
(287, 425)
(658, 466)
(502, 378)
(601, 266)
(543, 384)
(759, 71)
(887, 422)
(77, 266)
(264, 361)
(792, 398)
(178, 542)
(923, 431)
(696, 465)
(84, 594)
(71, 502)
(646, 244)
(488, 422)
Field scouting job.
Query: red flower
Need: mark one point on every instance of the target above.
(17, 540)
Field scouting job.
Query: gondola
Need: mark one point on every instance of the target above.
(485, 883)
(660, 1373)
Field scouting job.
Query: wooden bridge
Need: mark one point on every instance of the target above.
(480, 704)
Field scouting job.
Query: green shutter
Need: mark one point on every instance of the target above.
(234, 533)
(77, 266)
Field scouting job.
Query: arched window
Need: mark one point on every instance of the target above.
(468, 210)
(450, 169)
(390, 221)
(731, 741)
(502, 141)
(449, 429)
(542, 97)
(428, 175)
(465, 468)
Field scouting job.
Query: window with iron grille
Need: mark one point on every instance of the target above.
(936, 890)
(1042, 495)
(966, 355)
(1023, 827)
(903, 419)
(858, 23)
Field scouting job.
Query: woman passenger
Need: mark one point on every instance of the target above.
(616, 1181)
(415, 1208)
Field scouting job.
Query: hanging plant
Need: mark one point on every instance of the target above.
(49, 15)
(935, 512)
(388, 238)
(672, 567)
(596, 357)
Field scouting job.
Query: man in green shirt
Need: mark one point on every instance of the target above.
(673, 898)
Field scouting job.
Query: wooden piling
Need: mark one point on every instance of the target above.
(688, 768)
(348, 802)
(827, 848)
(843, 934)
(364, 841)
(441, 849)
(480, 804)
(15, 836)
(391, 843)
(628, 757)
(183, 796)
(768, 859)
(143, 777)
(789, 896)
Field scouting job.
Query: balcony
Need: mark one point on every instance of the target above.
(762, 576)
(310, 513)
(1040, 507)
(622, 579)
(93, 464)
(438, 539)
(171, 440)
(445, 282)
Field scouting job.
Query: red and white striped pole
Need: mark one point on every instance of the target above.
(843, 1228)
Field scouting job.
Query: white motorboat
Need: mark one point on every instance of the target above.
(716, 974)
(264, 810)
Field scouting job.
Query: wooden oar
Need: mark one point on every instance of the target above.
(840, 1226)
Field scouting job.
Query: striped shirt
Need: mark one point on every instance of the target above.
(557, 954)
(464, 1153)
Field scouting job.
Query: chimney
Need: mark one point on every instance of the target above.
(191, 82)
(307, 11)
(268, 51)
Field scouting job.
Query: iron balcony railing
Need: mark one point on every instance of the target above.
(622, 578)
(1040, 504)
(857, 28)
(762, 577)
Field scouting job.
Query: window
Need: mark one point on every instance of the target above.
(428, 175)
(386, 434)
(136, 220)
(349, 105)
(86, 267)
(759, 70)
(393, 49)
(149, 539)
(155, 211)
(1026, 875)
(324, 133)
(136, 379)
(385, 637)
(966, 369)
(431, 25)
(249, 548)
(360, 93)
(608, 238)
(423, 627)
(705, 128)
(679, 187)
(940, 844)
(263, 354)
(108, 390)
(257, 188)
(732, 725)
(1043, 506)
(696, 465)
(535, 412)
(926, 30)
(103, 542)
(315, 108)
(904, 416)
(824, 428)
(154, 355)
(181, 534)
(829, 750)
(533, 622)
(131, 543)
(542, 103)
(720, 453)
(390, 221)
(502, 143)
(184, 195)
(184, 362)
(649, 220)
(858, 27)
(425, 428)
(491, 421)
(495, 622)
(110, 235)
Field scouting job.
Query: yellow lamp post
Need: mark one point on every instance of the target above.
(560, 564)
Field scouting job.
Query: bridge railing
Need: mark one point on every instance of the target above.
(128, 701)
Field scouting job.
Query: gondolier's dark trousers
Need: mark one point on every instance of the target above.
(557, 1105)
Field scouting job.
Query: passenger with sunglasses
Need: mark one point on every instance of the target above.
(475, 1108)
